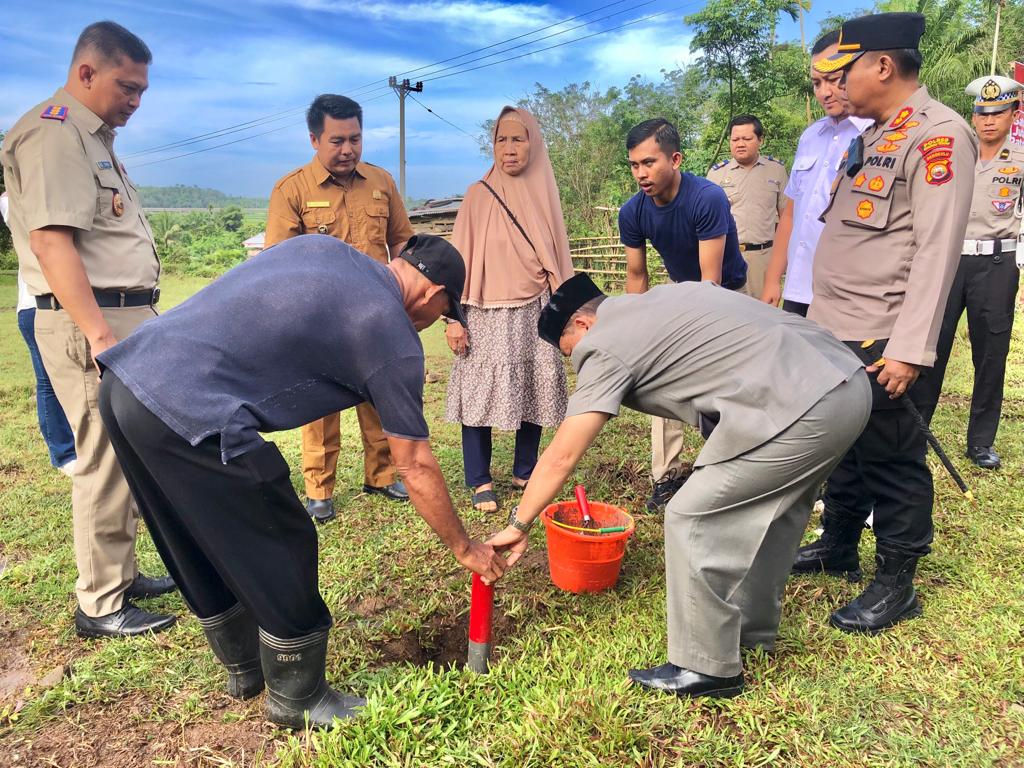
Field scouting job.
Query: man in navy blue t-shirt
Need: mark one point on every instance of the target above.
(185, 398)
(688, 221)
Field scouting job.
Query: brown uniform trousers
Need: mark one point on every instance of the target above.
(367, 213)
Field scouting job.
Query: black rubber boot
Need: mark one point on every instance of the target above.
(835, 553)
(234, 638)
(297, 690)
(889, 599)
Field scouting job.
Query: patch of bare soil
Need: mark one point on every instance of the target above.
(122, 734)
(441, 642)
(15, 667)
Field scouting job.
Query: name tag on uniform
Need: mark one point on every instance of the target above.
(318, 204)
(104, 165)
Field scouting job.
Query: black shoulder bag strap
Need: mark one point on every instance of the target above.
(510, 214)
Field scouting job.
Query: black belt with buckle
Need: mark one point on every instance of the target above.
(756, 246)
(107, 299)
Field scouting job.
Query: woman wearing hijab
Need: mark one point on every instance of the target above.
(510, 232)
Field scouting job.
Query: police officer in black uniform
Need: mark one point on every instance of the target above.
(987, 277)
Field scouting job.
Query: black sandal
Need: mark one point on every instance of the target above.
(485, 497)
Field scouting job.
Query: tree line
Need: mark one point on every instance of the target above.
(739, 67)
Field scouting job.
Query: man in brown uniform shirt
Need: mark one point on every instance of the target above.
(87, 254)
(882, 271)
(754, 184)
(336, 194)
(987, 279)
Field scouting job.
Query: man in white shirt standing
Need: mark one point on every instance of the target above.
(818, 156)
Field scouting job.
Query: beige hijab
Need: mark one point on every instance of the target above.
(502, 270)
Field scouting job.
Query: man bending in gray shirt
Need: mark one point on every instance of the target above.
(680, 352)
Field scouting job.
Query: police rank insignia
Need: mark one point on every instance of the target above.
(55, 112)
(1002, 205)
(902, 117)
(938, 159)
(104, 165)
(117, 204)
(1004, 155)
(991, 90)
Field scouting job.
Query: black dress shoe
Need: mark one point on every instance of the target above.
(126, 622)
(147, 586)
(984, 456)
(321, 510)
(396, 491)
(685, 682)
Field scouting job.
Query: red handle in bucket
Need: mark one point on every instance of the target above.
(581, 499)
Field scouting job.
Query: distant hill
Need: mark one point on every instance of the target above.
(181, 196)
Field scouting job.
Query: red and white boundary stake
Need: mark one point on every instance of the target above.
(481, 610)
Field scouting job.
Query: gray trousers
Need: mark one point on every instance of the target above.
(732, 530)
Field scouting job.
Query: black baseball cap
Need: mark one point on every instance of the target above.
(570, 296)
(877, 32)
(439, 262)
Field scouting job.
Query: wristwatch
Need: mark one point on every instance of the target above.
(516, 523)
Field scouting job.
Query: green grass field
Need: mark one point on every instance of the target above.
(943, 690)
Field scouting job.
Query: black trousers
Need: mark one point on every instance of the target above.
(228, 533)
(986, 289)
(885, 472)
(476, 453)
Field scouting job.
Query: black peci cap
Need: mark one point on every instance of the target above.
(877, 32)
(439, 262)
(570, 296)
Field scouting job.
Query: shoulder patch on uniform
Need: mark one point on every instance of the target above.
(776, 160)
(55, 112)
(937, 153)
(722, 164)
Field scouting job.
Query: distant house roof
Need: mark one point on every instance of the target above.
(256, 241)
(439, 207)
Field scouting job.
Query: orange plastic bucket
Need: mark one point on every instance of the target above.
(582, 562)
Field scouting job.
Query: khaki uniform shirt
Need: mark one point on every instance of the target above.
(684, 350)
(894, 231)
(62, 171)
(755, 196)
(997, 189)
(366, 212)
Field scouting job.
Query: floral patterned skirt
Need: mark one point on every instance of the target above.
(508, 375)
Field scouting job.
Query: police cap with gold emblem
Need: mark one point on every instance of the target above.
(994, 93)
(877, 32)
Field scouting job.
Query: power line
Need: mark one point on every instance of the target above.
(436, 76)
(381, 85)
(559, 45)
(443, 120)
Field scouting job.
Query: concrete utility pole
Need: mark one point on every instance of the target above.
(402, 88)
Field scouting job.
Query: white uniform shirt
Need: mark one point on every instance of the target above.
(818, 156)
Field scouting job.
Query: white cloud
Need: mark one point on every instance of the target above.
(470, 15)
(639, 51)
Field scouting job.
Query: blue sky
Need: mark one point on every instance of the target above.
(220, 64)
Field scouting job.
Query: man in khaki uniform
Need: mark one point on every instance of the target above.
(87, 254)
(884, 264)
(336, 194)
(987, 279)
(754, 184)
